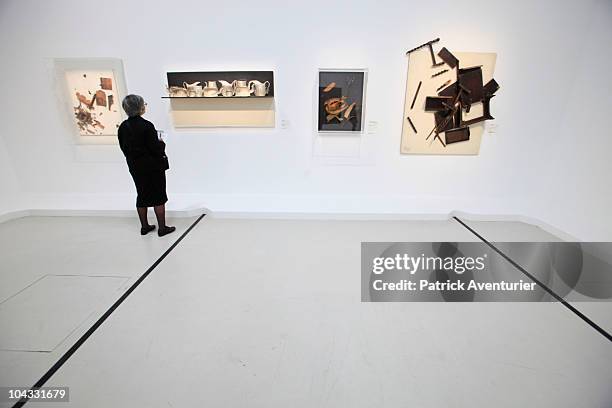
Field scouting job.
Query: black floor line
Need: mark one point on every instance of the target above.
(105, 316)
(542, 285)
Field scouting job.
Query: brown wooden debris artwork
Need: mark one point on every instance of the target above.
(416, 94)
(411, 124)
(84, 100)
(106, 84)
(86, 121)
(85, 118)
(429, 45)
(454, 98)
(329, 87)
(443, 85)
(439, 73)
(337, 108)
(100, 98)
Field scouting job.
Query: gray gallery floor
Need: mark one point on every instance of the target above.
(267, 313)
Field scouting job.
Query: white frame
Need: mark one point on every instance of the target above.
(61, 65)
(363, 103)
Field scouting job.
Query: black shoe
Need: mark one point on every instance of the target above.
(147, 229)
(165, 231)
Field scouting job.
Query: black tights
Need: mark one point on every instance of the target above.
(160, 214)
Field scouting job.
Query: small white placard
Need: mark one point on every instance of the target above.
(372, 127)
(491, 127)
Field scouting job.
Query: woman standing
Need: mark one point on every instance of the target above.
(147, 161)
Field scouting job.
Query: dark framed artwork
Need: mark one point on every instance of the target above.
(341, 100)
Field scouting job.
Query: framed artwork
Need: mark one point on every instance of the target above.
(221, 84)
(92, 91)
(447, 100)
(341, 100)
(222, 99)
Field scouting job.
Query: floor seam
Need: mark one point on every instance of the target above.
(577, 312)
(62, 360)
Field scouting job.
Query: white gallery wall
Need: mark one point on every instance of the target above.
(546, 156)
(575, 187)
(11, 192)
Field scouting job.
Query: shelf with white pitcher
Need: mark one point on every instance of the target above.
(238, 98)
(226, 84)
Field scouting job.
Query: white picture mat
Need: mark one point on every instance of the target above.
(65, 98)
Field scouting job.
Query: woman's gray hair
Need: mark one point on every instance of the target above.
(133, 105)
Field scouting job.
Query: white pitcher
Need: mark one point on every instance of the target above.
(227, 89)
(194, 89)
(259, 88)
(176, 91)
(242, 88)
(211, 85)
(211, 90)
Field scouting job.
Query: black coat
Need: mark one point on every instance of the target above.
(144, 154)
(139, 143)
